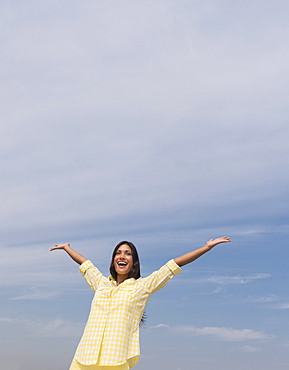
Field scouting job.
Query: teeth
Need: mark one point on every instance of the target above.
(122, 263)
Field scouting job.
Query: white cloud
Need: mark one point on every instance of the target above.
(248, 349)
(124, 100)
(57, 328)
(33, 267)
(36, 295)
(225, 334)
(251, 349)
(42, 273)
(264, 299)
(218, 333)
(123, 115)
(228, 280)
(159, 326)
(284, 306)
(222, 280)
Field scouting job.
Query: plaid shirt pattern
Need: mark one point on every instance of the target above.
(111, 335)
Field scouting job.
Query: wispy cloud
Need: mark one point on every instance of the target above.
(149, 116)
(264, 299)
(37, 270)
(218, 333)
(251, 349)
(248, 349)
(36, 295)
(228, 280)
(222, 280)
(283, 306)
(270, 298)
(158, 326)
(41, 328)
(224, 334)
(13, 320)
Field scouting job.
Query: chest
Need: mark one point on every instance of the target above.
(123, 295)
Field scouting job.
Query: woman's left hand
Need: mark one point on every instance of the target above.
(213, 242)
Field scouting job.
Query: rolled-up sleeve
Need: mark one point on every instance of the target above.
(91, 274)
(85, 266)
(174, 267)
(158, 279)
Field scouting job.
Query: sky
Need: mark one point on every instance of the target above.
(164, 123)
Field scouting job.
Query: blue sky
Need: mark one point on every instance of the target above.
(160, 122)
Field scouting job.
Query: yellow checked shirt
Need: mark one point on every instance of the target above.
(111, 334)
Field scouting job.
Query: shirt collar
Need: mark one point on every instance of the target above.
(129, 281)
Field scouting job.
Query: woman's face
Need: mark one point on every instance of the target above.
(123, 260)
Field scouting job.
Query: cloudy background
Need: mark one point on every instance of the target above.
(164, 123)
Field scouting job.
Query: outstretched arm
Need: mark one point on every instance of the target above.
(192, 256)
(77, 257)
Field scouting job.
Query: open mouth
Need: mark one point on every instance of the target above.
(122, 263)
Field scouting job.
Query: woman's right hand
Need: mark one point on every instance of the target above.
(60, 246)
(77, 257)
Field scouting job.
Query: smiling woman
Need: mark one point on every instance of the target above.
(111, 335)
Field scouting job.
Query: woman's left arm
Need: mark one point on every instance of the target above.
(192, 256)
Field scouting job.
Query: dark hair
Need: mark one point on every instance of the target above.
(135, 271)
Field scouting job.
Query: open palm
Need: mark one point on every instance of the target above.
(212, 242)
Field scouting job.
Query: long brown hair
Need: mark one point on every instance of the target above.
(135, 271)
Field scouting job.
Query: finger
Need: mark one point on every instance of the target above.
(226, 239)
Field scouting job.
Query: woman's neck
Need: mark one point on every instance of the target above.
(120, 279)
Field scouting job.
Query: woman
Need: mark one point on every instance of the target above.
(111, 336)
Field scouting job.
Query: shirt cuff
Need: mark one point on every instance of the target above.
(85, 266)
(174, 267)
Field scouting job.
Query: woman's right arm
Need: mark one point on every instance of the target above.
(77, 257)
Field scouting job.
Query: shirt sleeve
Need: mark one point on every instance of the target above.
(91, 274)
(158, 279)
